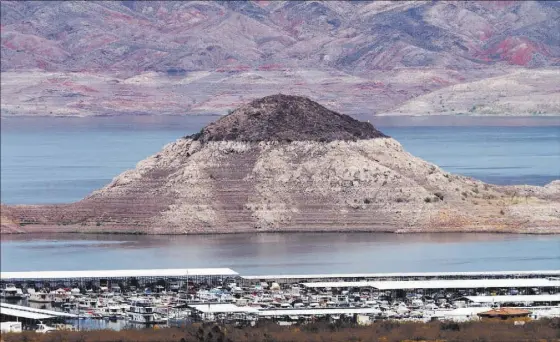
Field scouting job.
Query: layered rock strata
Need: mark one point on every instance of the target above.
(285, 163)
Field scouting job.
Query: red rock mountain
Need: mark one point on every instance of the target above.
(181, 57)
(239, 35)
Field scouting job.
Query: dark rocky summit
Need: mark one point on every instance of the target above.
(286, 118)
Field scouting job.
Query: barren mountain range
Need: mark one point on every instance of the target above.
(286, 163)
(392, 58)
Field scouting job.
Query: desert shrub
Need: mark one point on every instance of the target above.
(439, 195)
(427, 200)
(450, 326)
(387, 330)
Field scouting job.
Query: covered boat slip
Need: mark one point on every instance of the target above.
(225, 311)
(549, 300)
(319, 312)
(5, 307)
(30, 316)
(224, 273)
(105, 276)
(15, 314)
(298, 278)
(213, 312)
(443, 284)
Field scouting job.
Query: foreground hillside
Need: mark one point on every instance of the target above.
(490, 331)
(286, 163)
(143, 57)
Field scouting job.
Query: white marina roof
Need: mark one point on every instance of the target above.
(441, 284)
(514, 299)
(222, 308)
(415, 274)
(183, 272)
(465, 312)
(23, 314)
(37, 311)
(310, 312)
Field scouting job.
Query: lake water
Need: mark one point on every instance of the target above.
(54, 160)
(298, 253)
(62, 160)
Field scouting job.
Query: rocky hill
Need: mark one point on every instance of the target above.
(283, 118)
(285, 163)
(109, 57)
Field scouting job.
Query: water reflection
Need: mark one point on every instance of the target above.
(283, 253)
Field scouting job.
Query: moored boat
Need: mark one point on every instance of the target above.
(11, 292)
(142, 311)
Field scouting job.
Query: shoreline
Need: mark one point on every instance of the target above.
(389, 120)
(536, 232)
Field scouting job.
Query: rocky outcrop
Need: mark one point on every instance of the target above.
(345, 176)
(285, 118)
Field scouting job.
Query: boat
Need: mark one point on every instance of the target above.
(43, 328)
(11, 292)
(113, 312)
(61, 297)
(142, 311)
(41, 297)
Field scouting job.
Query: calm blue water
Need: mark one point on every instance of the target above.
(296, 253)
(50, 160)
(62, 160)
(498, 155)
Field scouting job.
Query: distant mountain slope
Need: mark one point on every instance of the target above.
(151, 57)
(165, 36)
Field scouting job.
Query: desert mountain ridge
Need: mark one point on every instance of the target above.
(322, 171)
(86, 58)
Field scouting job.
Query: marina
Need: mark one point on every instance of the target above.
(172, 297)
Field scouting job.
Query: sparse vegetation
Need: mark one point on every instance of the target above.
(389, 331)
(439, 195)
(428, 199)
